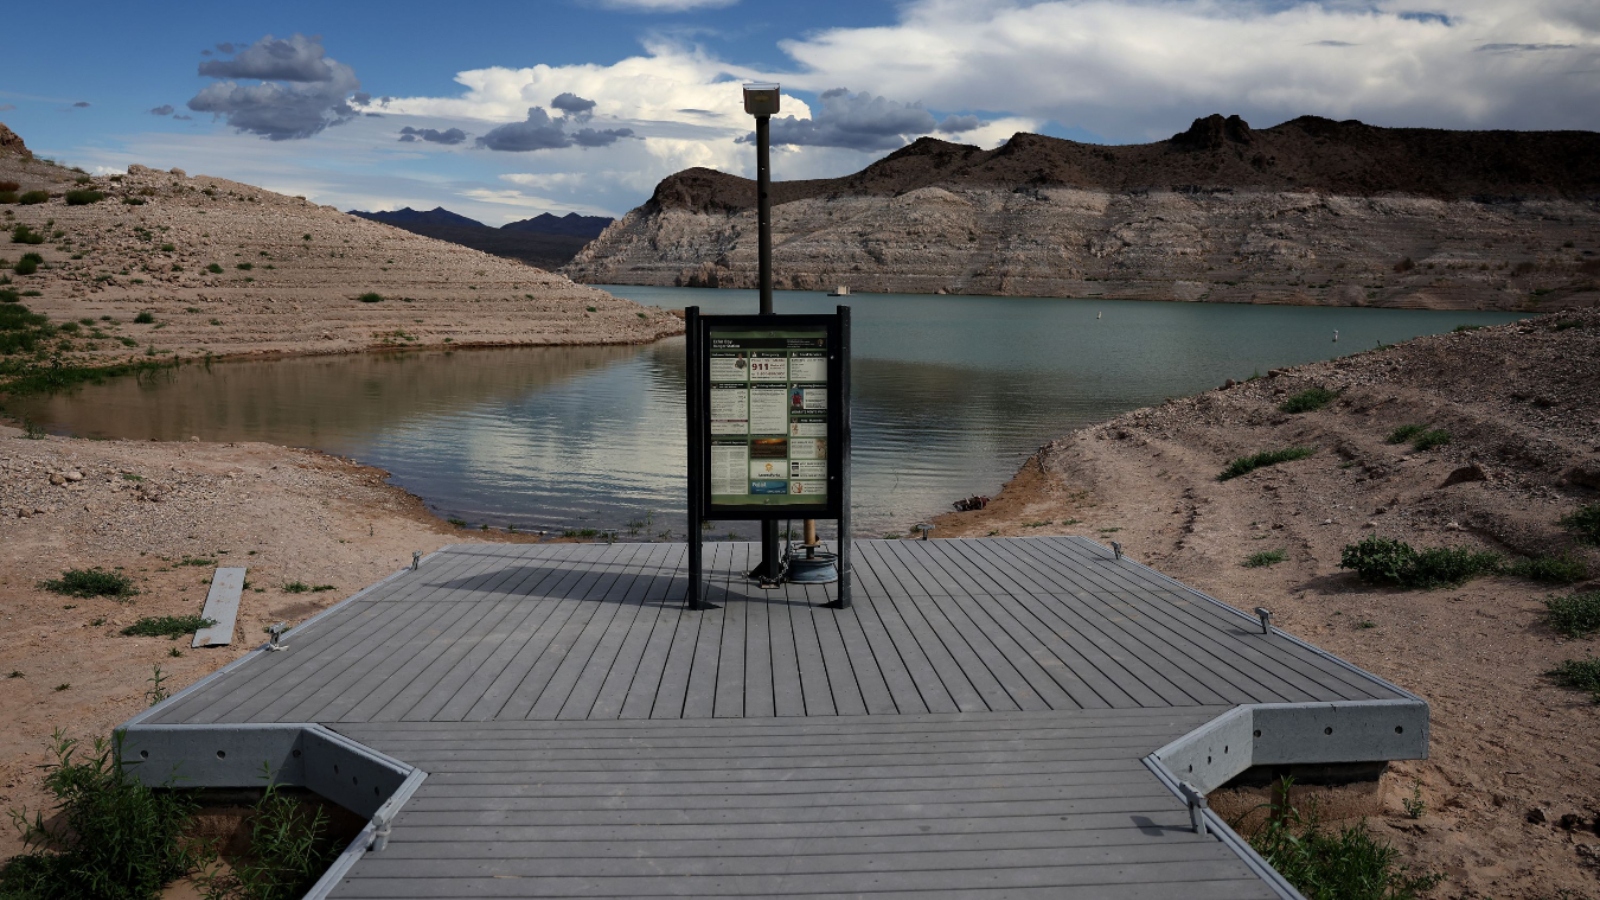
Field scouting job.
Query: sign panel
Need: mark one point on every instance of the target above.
(772, 402)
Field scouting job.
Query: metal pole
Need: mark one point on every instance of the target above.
(697, 453)
(843, 449)
(770, 563)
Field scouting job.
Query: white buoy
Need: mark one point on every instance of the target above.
(1336, 335)
(1099, 314)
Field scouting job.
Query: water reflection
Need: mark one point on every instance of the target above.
(950, 395)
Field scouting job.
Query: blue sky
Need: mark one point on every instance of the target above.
(501, 111)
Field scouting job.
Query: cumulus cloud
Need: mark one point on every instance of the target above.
(432, 135)
(7, 107)
(1142, 69)
(540, 131)
(81, 104)
(299, 90)
(164, 109)
(853, 121)
(959, 124)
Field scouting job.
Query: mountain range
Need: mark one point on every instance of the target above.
(1310, 211)
(546, 241)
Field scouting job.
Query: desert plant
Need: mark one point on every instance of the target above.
(168, 626)
(1245, 464)
(371, 297)
(1585, 523)
(113, 837)
(1348, 865)
(29, 198)
(245, 266)
(94, 582)
(1379, 560)
(214, 268)
(1574, 615)
(1265, 558)
(290, 847)
(84, 197)
(295, 587)
(1579, 674)
(1308, 400)
(1413, 805)
(144, 318)
(28, 264)
(1427, 440)
(22, 234)
(1405, 433)
(10, 186)
(1562, 569)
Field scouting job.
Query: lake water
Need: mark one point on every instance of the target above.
(951, 395)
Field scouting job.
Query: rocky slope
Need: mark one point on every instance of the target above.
(165, 264)
(1508, 797)
(1308, 212)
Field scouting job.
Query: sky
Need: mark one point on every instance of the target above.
(502, 111)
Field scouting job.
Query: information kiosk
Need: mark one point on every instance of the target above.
(768, 411)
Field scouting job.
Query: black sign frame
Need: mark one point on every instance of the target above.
(837, 331)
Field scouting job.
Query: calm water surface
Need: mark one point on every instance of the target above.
(951, 394)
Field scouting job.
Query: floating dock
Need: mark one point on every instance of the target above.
(1013, 717)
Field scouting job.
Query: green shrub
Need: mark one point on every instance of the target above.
(22, 234)
(91, 583)
(1579, 674)
(1308, 400)
(167, 626)
(144, 318)
(7, 197)
(11, 186)
(1427, 440)
(84, 197)
(168, 248)
(1379, 560)
(22, 331)
(1563, 569)
(295, 587)
(28, 264)
(1585, 523)
(214, 268)
(1349, 865)
(1450, 566)
(1405, 433)
(30, 198)
(113, 838)
(245, 266)
(1246, 464)
(1574, 615)
(1265, 558)
(290, 847)
(371, 297)
(7, 295)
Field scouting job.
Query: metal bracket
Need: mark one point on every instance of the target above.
(275, 633)
(1265, 615)
(416, 560)
(1116, 548)
(1197, 806)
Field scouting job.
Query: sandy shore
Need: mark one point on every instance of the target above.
(1512, 791)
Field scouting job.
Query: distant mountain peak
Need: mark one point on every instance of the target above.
(408, 216)
(569, 224)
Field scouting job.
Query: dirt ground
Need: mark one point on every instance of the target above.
(1511, 791)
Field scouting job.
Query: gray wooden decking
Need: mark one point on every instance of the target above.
(975, 725)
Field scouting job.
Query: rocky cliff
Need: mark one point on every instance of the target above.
(1309, 212)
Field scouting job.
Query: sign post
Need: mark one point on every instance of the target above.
(769, 427)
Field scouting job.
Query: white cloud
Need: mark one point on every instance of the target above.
(1140, 70)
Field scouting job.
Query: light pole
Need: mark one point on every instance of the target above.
(761, 101)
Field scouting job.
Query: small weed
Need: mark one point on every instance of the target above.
(1245, 464)
(1349, 865)
(1308, 400)
(29, 198)
(1579, 674)
(145, 317)
(94, 582)
(295, 587)
(1563, 569)
(1427, 440)
(459, 523)
(290, 847)
(174, 652)
(1265, 558)
(591, 309)
(580, 532)
(1366, 623)
(84, 197)
(1460, 329)
(167, 626)
(245, 267)
(63, 686)
(1036, 524)
(97, 621)
(22, 234)
(320, 588)
(1574, 615)
(1413, 804)
(371, 297)
(196, 561)
(1405, 433)
(1380, 560)
(168, 248)
(1585, 523)
(16, 674)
